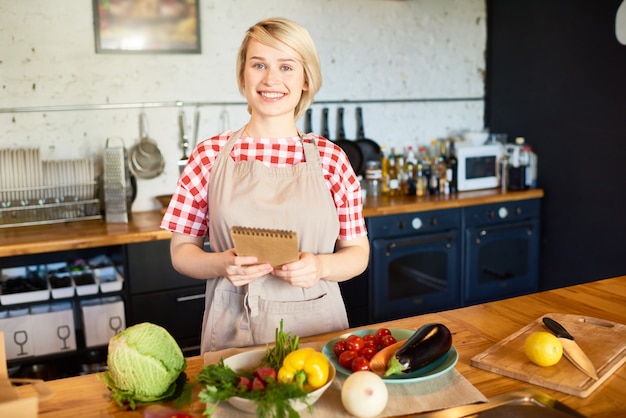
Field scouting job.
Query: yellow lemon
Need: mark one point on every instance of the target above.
(543, 348)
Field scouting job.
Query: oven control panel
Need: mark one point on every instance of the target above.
(493, 214)
(405, 224)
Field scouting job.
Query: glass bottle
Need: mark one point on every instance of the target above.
(452, 168)
(384, 168)
(409, 169)
(394, 180)
(373, 176)
(421, 181)
(442, 166)
(424, 159)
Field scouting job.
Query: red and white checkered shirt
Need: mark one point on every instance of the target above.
(188, 211)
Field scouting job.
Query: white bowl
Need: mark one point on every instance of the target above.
(250, 359)
(475, 138)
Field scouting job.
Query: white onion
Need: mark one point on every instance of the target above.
(364, 394)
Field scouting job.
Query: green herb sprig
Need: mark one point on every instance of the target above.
(284, 345)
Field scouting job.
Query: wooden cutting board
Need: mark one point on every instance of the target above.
(604, 342)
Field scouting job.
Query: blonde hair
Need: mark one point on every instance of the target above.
(275, 33)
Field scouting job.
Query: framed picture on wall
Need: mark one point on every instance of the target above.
(147, 26)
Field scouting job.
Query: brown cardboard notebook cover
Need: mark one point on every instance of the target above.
(273, 246)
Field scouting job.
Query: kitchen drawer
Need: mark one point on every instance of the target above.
(179, 311)
(150, 268)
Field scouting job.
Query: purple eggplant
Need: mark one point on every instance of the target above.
(428, 344)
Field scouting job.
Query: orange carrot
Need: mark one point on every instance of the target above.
(378, 363)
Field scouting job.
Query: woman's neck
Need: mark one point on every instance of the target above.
(271, 128)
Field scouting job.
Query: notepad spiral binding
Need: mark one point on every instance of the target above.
(264, 232)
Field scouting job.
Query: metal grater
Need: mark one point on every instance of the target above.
(115, 175)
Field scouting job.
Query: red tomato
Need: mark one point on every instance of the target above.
(372, 338)
(346, 358)
(387, 340)
(360, 364)
(370, 344)
(381, 332)
(354, 343)
(339, 347)
(368, 353)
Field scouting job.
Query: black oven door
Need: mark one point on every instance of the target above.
(421, 274)
(502, 261)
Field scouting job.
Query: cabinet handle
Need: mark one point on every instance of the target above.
(190, 297)
(494, 230)
(419, 241)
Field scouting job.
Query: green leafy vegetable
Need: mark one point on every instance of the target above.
(145, 364)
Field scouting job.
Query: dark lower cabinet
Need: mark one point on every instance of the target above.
(179, 311)
(161, 295)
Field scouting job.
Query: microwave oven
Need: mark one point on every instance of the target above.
(478, 166)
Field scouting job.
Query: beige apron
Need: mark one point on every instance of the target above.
(296, 198)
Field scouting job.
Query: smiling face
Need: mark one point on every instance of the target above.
(273, 80)
(289, 39)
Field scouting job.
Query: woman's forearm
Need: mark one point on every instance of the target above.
(349, 260)
(190, 259)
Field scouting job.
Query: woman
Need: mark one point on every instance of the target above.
(270, 175)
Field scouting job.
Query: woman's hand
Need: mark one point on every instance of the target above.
(305, 272)
(241, 270)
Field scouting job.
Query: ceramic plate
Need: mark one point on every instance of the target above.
(439, 367)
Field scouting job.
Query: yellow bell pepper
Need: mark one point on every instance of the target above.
(305, 365)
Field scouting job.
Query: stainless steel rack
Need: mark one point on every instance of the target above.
(52, 205)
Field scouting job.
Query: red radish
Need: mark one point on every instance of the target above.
(257, 384)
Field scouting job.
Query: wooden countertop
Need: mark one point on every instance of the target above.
(405, 204)
(474, 329)
(144, 226)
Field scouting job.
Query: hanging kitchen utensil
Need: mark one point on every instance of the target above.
(369, 148)
(307, 121)
(115, 182)
(196, 128)
(184, 140)
(145, 158)
(351, 149)
(325, 131)
(224, 120)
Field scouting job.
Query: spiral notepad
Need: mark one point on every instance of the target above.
(273, 246)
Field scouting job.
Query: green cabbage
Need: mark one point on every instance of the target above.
(144, 363)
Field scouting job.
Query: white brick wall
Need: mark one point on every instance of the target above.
(371, 50)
